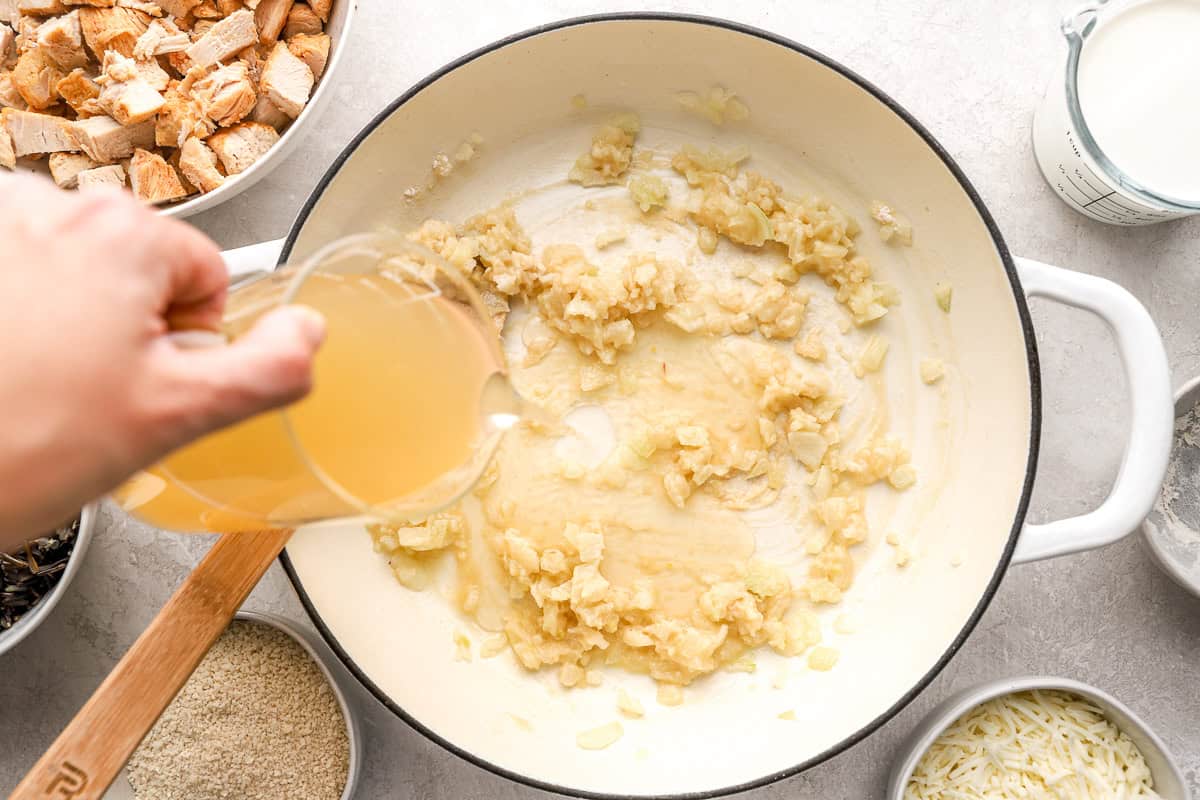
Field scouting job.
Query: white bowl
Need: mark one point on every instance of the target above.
(1168, 780)
(121, 788)
(38, 614)
(1178, 556)
(338, 28)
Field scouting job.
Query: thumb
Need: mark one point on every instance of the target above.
(267, 367)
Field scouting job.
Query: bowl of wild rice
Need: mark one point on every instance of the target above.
(34, 577)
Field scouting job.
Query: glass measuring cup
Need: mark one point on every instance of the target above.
(1074, 164)
(410, 400)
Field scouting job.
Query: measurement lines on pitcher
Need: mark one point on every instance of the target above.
(1088, 192)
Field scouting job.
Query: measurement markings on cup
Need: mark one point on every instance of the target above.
(1091, 193)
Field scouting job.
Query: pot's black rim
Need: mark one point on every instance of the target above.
(1034, 385)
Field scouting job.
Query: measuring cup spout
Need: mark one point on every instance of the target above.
(1080, 22)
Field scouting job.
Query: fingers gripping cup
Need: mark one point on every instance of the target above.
(409, 401)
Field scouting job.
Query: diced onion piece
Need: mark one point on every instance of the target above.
(943, 292)
(629, 705)
(649, 191)
(903, 476)
(601, 737)
(808, 447)
(822, 658)
(932, 370)
(871, 358)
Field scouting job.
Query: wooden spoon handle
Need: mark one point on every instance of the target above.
(89, 754)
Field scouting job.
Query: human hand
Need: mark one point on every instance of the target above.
(92, 389)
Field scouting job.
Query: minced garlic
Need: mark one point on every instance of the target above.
(610, 154)
(716, 105)
(727, 395)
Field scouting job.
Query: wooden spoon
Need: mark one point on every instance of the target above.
(88, 755)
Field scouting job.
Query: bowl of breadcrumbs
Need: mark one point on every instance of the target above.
(261, 718)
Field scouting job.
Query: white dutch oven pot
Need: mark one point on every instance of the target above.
(813, 124)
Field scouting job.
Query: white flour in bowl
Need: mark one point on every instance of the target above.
(1174, 524)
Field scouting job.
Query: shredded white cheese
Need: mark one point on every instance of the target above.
(1037, 744)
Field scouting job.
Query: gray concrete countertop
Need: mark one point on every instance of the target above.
(972, 71)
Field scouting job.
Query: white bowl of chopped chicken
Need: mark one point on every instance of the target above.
(1035, 737)
(185, 102)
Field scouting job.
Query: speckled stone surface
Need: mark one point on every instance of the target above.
(972, 71)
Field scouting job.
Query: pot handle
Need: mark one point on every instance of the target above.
(253, 260)
(1144, 464)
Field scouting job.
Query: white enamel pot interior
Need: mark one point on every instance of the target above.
(815, 127)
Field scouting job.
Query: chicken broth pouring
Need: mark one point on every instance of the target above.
(397, 404)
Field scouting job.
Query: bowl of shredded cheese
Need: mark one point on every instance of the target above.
(1039, 737)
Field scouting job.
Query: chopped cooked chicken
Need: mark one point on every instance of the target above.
(106, 140)
(312, 49)
(152, 73)
(240, 146)
(8, 156)
(9, 96)
(41, 8)
(268, 113)
(144, 6)
(65, 168)
(180, 119)
(198, 163)
(112, 175)
(81, 93)
(207, 10)
(62, 40)
(153, 179)
(199, 89)
(162, 37)
(229, 36)
(287, 80)
(180, 62)
(114, 28)
(178, 8)
(35, 78)
(124, 94)
(173, 160)
(255, 58)
(8, 40)
(270, 16)
(302, 19)
(33, 133)
(26, 30)
(227, 95)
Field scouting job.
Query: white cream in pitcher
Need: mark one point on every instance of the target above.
(1139, 90)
